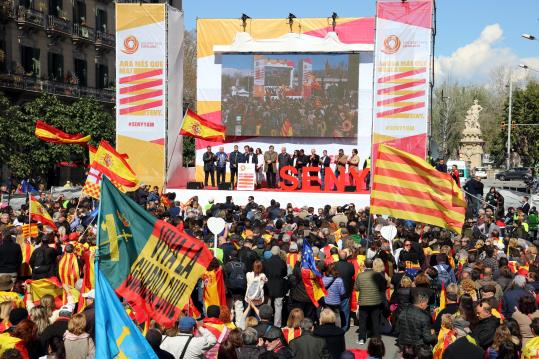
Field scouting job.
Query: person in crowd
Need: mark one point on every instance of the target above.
(155, 339)
(314, 161)
(220, 165)
(441, 166)
(209, 166)
(347, 273)
(273, 342)
(512, 296)
(227, 350)
(255, 284)
(376, 348)
(308, 346)
(276, 271)
(486, 327)
(451, 305)
(455, 174)
(250, 348)
(501, 335)
(270, 167)
(371, 286)
(531, 348)
(234, 158)
(465, 346)
(525, 313)
(414, 324)
(474, 194)
(334, 336)
(10, 257)
(292, 329)
(78, 343)
(184, 344)
(335, 291)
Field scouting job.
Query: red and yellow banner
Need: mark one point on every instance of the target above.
(406, 186)
(30, 230)
(38, 213)
(47, 133)
(214, 288)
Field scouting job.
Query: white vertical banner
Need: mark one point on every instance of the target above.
(246, 177)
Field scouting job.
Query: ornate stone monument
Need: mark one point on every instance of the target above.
(471, 143)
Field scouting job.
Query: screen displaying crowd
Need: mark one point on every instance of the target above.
(290, 95)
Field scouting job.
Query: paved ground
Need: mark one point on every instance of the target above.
(389, 342)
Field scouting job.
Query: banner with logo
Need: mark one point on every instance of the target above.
(246, 177)
(402, 74)
(141, 88)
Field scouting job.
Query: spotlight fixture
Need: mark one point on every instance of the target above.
(244, 19)
(334, 20)
(291, 18)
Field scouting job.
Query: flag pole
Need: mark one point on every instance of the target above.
(174, 147)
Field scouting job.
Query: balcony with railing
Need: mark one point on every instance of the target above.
(104, 41)
(7, 10)
(30, 18)
(83, 34)
(57, 26)
(68, 90)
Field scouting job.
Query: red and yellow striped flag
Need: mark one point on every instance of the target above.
(291, 259)
(51, 134)
(27, 249)
(407, 187)
(68, 269)
(291, 333)
(42, 287)
(30, 230)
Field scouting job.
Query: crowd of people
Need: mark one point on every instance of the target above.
(269, 163)
(439, 294)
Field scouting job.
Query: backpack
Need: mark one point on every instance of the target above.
(40, 261)
(444, 276)
(255, 291)
(237, 278)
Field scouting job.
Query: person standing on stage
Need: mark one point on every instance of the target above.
(259, 167)
(270, 167)
(353, 163)
(341, 161)
(221, 158)
(284, 159)
(245, 155)
(234, 158)
(300, 163)
(314, 161)
(325, 162)
(209, 166)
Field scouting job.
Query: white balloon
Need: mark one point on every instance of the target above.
(388, 232)
(216, 224)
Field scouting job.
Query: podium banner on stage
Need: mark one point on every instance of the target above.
(246, 177)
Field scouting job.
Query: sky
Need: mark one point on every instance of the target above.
(473, 36)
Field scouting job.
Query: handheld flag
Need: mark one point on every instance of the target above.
(195, 126)
(408, 187)
(47, 133)
(91, 153)
(148, 262)
(41, 287)
(214, 288)
(115, 333)
(30, 230)
(39, 213)
(312, 279)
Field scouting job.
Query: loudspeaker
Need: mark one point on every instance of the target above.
(195, 185)
(349, 188)
(224, 186)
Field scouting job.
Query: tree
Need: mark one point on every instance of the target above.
(189, 89)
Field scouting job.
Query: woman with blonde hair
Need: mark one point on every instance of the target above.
(502, 335)
(332, 334)
(292, 329)
(5, 309)
(78, 344)
(255, 284)
(38, 315)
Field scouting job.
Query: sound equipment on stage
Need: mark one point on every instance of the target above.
(195, 185)
(224, 186)
(349, 188)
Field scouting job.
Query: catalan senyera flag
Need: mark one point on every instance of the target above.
(27, 249)
(291, 333)
(312, 279)
(195, 126)
(39, 213)
(148, 262)
(291, 259)
(30, 230)
(408, 187)
(68, 269)
(214, 288)
(51, 134)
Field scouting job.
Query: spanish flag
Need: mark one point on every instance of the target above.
(195, 126)
(408, 187)
(42, 287)
(91, 153)
(214, 288)
(114, 166)
(51, 134)
(39, 213)
(311, 277)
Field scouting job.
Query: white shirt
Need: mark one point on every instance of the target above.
(197, 346)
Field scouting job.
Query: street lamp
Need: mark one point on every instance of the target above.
(509, 119)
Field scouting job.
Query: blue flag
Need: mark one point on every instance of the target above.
(90, 218)
(115, 333)
(307, 258)
(26, 187)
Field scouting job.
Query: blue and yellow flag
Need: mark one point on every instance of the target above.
(115, 333)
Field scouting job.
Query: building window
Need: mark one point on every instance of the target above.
(55, 8)
(101, 20)
(26, 3)
(79, 13)
(56, 67)
(30, 61)
(81, 72)
(101, 76)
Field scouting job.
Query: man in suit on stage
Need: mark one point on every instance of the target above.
(234, 158)
(209, 166)
(270, 167)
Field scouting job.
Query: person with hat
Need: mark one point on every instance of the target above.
(89, 312)
(465, 346)
(186, 344)
(217, 327)
(273, 342)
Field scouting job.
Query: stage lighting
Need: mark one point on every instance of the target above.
(291, 18)
(334, 21)
(243, 19)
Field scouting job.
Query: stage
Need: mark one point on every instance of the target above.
(264, 196)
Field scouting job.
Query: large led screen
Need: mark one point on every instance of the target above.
(290, 95)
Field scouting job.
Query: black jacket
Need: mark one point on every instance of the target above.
(209, 161)
(275, 270)
(48, 266)
(247, 256)
(346, 273)
(451, 308)
(475, 187)
(462, 348)
(307, 346)
(249, 351)
(413, 327)
(334, 337)
(297, 288)
(484, 331)
(10, 256)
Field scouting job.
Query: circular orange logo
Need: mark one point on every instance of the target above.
(130, 45)
(392, 44)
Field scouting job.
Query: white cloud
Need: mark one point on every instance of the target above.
(473, 62)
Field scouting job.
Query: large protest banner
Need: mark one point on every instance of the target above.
(150, 263)
(402, 74)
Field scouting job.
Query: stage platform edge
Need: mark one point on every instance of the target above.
(297, 198)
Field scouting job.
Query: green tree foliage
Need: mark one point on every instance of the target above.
(25, 155)
(189, 90)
